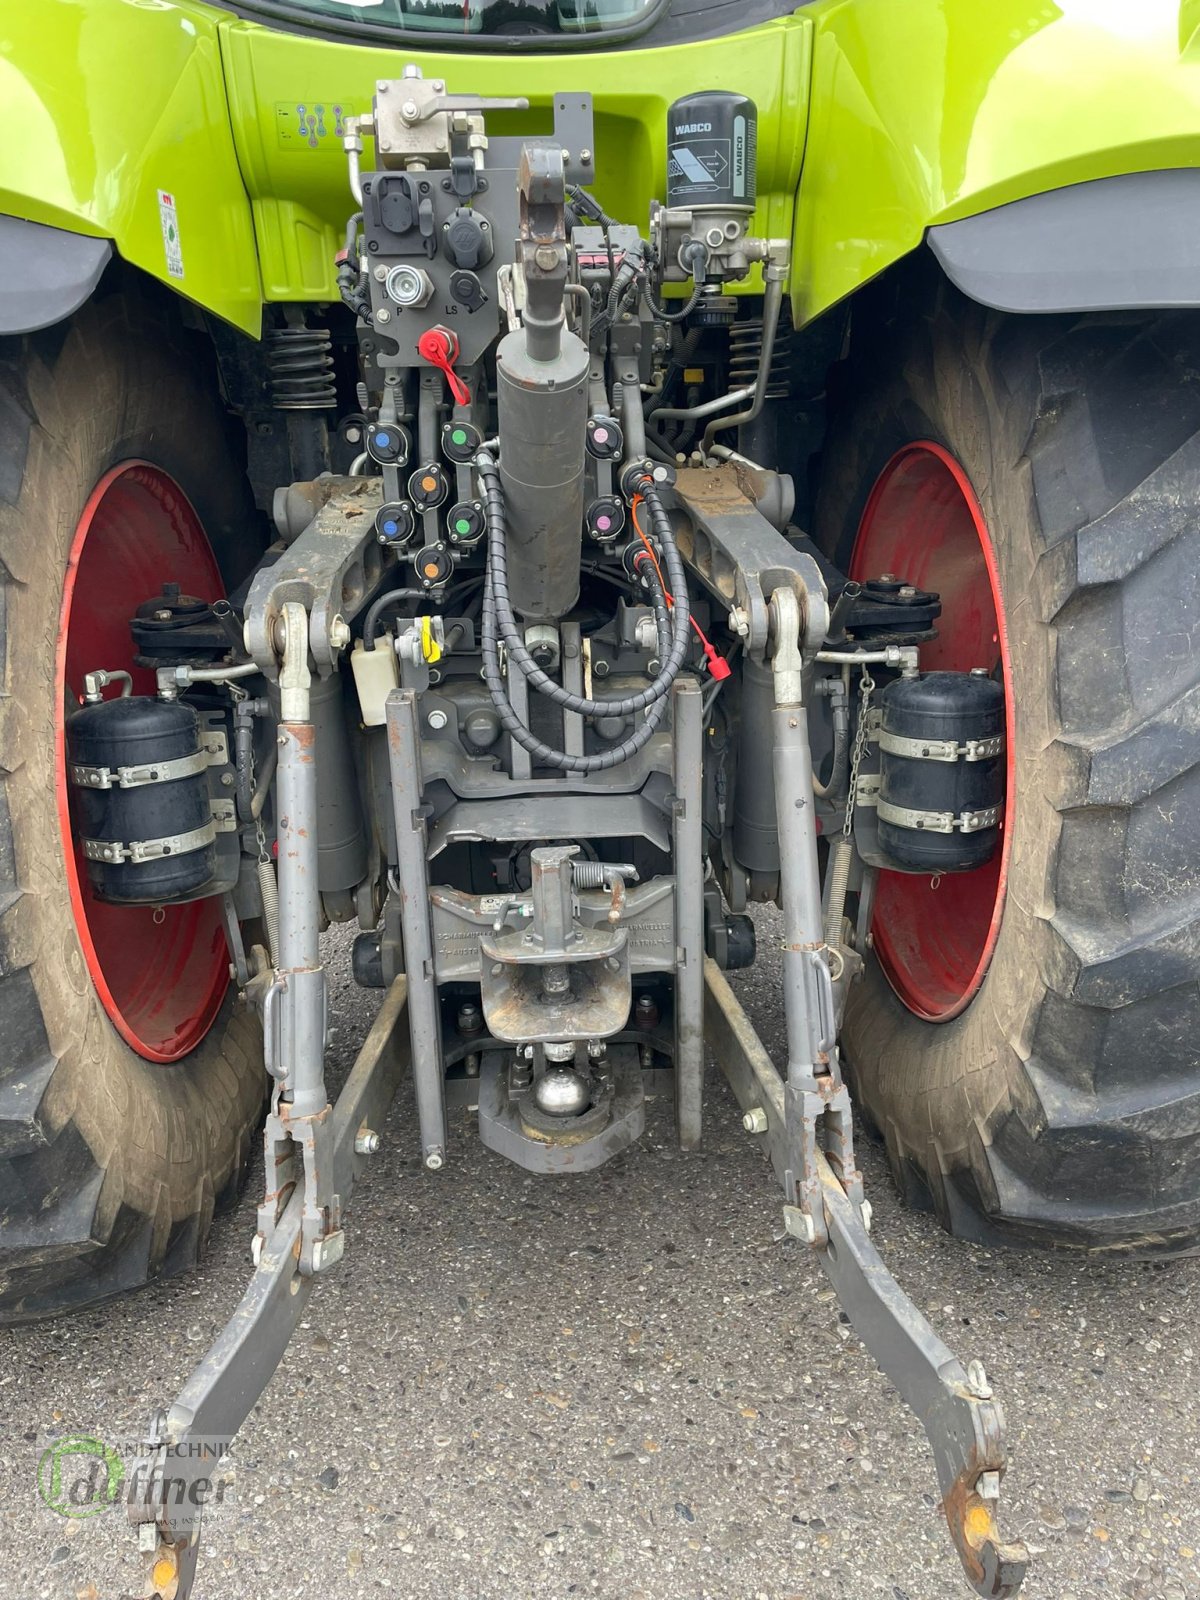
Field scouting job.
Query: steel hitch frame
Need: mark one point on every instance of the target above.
(314, 1151)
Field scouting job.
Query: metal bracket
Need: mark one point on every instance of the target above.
(899, 744)
(742, 559)
(329, 570)
(556, 979)
(938, 821)
(138, 851)
(136, 777)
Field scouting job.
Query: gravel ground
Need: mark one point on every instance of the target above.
(627, 1385)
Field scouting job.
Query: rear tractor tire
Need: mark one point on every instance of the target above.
(1027, 1036)
(130, 1082)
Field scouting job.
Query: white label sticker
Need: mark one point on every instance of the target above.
(170, 232)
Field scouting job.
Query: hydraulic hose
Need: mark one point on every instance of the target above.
(378, 606)
(544, 753)
(772, 304)
(695, 260)
(673, 642)
(839, 770)
(498, 620)
(252, 787)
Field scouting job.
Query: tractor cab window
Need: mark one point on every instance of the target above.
(477, 19)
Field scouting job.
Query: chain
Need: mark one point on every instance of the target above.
(865, 685)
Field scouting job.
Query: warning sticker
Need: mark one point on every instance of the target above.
(169, 218)
(699, 165)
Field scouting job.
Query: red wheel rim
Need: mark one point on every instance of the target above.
(924, 523)
(161, 973)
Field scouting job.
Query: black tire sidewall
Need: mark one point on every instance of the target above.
(937, 1090)
(119, 383)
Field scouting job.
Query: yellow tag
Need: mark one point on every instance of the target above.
(693, 374)
(430, 648)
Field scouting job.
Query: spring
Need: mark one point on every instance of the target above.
(300, 362)
(745, 349)
(600, 874)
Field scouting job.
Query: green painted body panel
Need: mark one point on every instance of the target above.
(878, 118)
(925, 111)
(104, 103)
(300, 194)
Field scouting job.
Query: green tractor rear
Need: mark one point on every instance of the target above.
(533, 480)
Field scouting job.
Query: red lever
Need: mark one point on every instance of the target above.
(439, 346)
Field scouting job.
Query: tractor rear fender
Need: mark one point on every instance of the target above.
(1046, 153)
(1114, 243)
(115, 138)
(45, 273)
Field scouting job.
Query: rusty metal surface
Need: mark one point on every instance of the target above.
(595, 1004)
(459, 919)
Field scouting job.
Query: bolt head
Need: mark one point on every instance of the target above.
(434, 1160)
(437, 720)
(383, 315)
(546, 257)
(408, 110)
(366, 1143)
(755, 1120)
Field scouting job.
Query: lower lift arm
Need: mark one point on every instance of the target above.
(810, 1139)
